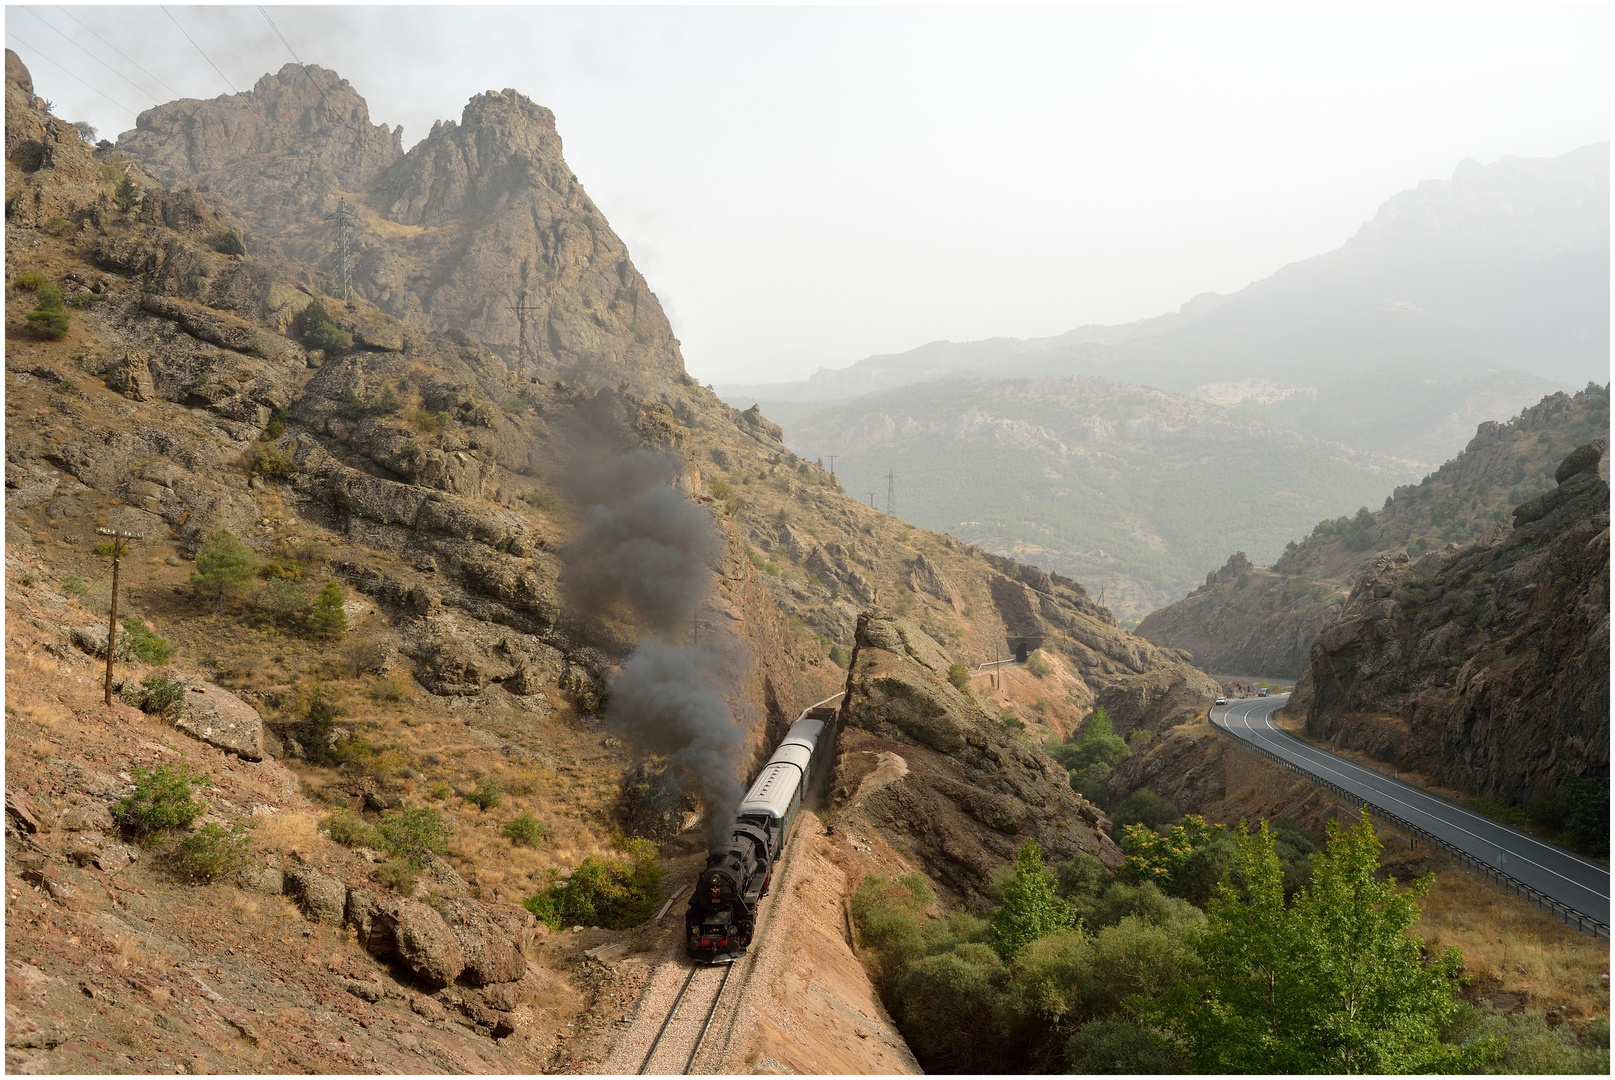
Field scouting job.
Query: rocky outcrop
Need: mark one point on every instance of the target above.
(1255, 620)
(1485, 666)
(219, 718)
(921, 762)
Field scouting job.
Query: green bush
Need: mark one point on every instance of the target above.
(82, 299)
(414, 835)
(281, 601)
(211, 851)
(611, 893)
(49, 318)
(1038, 666)
(150, 647)
(158, 695)
(840, 657)
(488, 793)
(317, 330)
(230, 244)
(397, 875)
(525, 830)
(318, 730)
(223, 567)
(328, 619)
(58, 226)
(1144, 902)
(271, 463)
(351, 407)
(1081, 876)
(74, 584)
(1144, 807)
(347, 828)
(942, 1002)
(1106, 1047)
(1030, 907)
(29, 280)
(1587, 815)
(161, 800)
(1498, 810)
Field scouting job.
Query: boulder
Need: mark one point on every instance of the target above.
(219, 718)
(424, 942)
(261, 879)
(322, 897)
(368, 916)
(489, 955)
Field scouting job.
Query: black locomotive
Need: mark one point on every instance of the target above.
(722, 915)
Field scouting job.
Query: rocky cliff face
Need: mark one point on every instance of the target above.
(482, 227)
(1485, 666)
(1254, 620)
(921, 763)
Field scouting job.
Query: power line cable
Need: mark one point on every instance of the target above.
(115, 49)
(198, 48)
(88, 53)
(280, 35)
(69, 74)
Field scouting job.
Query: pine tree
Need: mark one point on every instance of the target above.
(223, 566)
(328, 620)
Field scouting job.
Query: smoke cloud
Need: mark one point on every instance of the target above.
(648, 553)
(645, 547)
(663, 702)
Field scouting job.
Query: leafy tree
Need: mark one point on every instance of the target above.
(1187, 862)
(328, 619)
(1145, 902)
(223, 567)
(49, 317)
(318, 730)
(1332, 983)
(1082, 875)
(944, 1004)
(1029, 908)
(1106, 1047)
(1144, 807)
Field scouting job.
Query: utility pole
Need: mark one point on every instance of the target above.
(520, 309)
(891, 502)
(342, 222)
(118, 546)
(832, 458)
(872, 505)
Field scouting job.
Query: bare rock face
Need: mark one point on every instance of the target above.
(1485, 665)
(922, 763)
(277, 152)
(219, 718)
(490, 956)
(424, 942)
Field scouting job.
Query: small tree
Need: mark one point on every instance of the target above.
(230, 244)
(328, 619)
(318, 330)
(161, 800)
(49, 317)
(223, 567)
(1030, 906)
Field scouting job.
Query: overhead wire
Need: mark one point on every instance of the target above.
(120, 52)
(198, 48)
(40, 53)
(90, 54)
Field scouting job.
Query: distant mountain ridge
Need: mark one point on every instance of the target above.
(1440, 260)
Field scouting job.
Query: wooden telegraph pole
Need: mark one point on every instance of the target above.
(119, 538)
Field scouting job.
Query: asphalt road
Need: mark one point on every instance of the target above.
(1573, 881)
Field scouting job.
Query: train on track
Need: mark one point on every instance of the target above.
(722, 915)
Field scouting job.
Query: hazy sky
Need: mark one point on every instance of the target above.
(807, 186)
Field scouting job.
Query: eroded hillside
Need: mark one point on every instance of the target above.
(441, 479)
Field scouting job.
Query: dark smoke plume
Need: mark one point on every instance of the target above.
(663, 702)
(646, 547)
(648, 552)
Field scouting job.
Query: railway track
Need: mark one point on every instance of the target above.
(676, 1045)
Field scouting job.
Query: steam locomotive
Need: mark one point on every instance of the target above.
(723, 908)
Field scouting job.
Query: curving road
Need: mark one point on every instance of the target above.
(1575, 882)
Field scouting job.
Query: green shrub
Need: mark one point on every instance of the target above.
(516, 406)
(328, 619)
(1038, 666)
(1106, 1047)
(127, 194)
(82, 299)
(840, 657)
(525, 830)
(158, 695)
(161, 800)
(611, 893)
(151, 648)
(1587, 815)
(351, 407)
(1144, 807)
(74, 584)
(224, 567)
(414, 835)
(272, 463)
(347, 828)
(440, 790)
(942, 1001)
(1081, 876)
(397, 875)
(58, 226)
(318, 730)
(230, 244)
(488, 793)
(959, 675)
(1030, 907)
(49, 318)
(29, 280)
(317, 330)
(1144, 902)
(1498, 810)
(211, 851)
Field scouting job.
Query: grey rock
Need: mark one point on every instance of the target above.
(322, 897)
(219, 718)
(489, 954)
(424, 942)
(261, 879)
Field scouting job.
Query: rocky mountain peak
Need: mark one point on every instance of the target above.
(278, 152)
